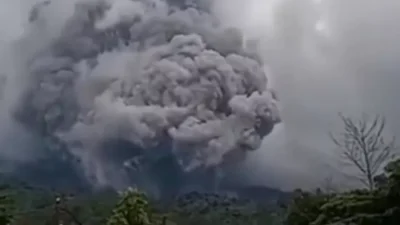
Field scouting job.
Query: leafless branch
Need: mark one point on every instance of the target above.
(363, 145)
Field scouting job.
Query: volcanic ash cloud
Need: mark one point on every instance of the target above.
(146, 72)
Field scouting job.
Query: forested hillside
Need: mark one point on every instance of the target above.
(380, 206)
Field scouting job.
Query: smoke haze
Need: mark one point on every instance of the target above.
(328, 57)
(198, 90)
(162, 79)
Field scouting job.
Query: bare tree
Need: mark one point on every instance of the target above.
(362, 145)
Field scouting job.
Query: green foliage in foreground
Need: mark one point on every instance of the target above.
(360, 207)
(30, 206)
(7, 205)
(193, 208)
(132, 209)
(196, 208)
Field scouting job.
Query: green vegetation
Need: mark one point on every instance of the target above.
(197, 208)
(7, 205)
(380, 206)
(363, 146)
(30, 206)
(132, 209)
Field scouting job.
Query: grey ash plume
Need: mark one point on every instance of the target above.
(126, 84)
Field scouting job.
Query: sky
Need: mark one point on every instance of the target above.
(324, 57)
(13, 16)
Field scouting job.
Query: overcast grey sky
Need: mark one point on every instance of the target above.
(327, 57)
(350, 64)
(13, 15)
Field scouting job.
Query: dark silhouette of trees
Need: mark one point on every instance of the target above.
(6, 206)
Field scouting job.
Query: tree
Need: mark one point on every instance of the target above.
(363, 146)
(132, 209)
(6, 206)
(305, 207)
(362, 207)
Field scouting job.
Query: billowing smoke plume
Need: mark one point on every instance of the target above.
(134, 82)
